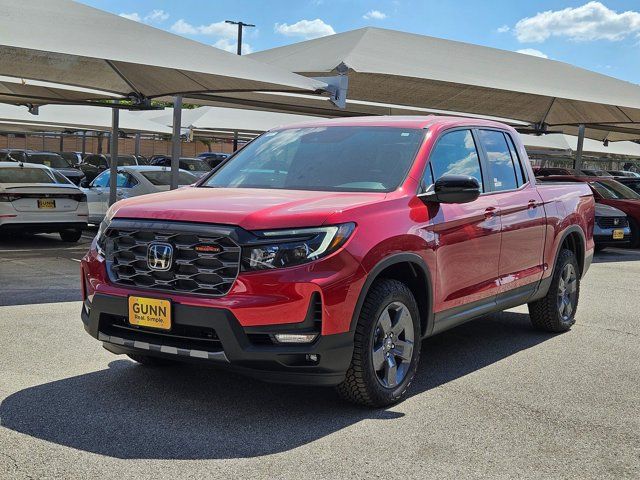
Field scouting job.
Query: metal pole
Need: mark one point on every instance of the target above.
(43, 143)
(61, 142)
(113, 167)
(175, 141)
(235, 141)
(137, 147)
(84, 142)
(240, 25)
(577, 164)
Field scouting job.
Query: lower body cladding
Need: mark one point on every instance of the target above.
(214, 335)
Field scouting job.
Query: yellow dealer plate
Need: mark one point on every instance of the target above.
(46, 203)
(150, 312)
(618, 234)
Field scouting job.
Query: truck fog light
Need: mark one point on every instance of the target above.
(295, 337)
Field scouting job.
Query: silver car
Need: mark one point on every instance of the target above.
(132, 181)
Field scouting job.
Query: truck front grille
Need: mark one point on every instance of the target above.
(612, 222)
(204, 261)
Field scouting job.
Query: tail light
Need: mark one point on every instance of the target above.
(9, 197)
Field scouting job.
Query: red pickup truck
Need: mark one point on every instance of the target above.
(323, 253)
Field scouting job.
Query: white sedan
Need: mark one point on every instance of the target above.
(132, 181)
(37, 199)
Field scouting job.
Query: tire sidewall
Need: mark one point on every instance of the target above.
(563, 260)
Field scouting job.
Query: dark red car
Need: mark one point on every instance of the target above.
(613, 192)
(323, 253)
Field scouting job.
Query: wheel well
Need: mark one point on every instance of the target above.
(414, 278)
(574, 242)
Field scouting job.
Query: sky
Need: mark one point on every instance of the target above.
(603, 36)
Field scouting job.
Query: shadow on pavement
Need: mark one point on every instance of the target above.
(193, 412)
(610, 255)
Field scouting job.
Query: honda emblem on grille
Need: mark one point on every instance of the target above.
(616, 221)
(159, 256)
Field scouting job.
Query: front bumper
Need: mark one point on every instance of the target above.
(603, 237)
(214, 335)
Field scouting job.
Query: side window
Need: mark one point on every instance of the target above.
(427, 178)
(521, 173)
(456, 154)
(501, 169)
(126, 180)
(102, 180)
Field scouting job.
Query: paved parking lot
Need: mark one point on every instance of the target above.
(492, 398)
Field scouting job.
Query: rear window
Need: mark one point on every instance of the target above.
(194, 165)
(164, 178)
(126, 161)
(51, 160)
(25, 175)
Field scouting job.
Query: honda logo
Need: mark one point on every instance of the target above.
(159, 256)
(616, 221)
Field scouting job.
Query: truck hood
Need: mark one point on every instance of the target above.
(249, 208)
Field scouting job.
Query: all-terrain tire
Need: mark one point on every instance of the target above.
(362, 385)
(545, 313)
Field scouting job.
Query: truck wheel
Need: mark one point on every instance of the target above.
(386, 346)
(555, 312)
(70, 235)
(149, 361)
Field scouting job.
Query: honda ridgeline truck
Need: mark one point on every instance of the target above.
(323, 253)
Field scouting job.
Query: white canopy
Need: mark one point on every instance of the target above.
(569, 144)
(65, 42)
(76, 117)
(407, 69)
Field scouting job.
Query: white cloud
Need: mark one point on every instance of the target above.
(154, 16)
(220, 29)
(306, 29)
(591, 21)
(132, 16)
(231, 46)
(374, 15)
(503, 29)
(533, 52)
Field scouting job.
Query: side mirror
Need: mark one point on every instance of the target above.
(85, 183)
(452, 189)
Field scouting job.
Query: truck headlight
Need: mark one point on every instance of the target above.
(100, 236)
(286, 248)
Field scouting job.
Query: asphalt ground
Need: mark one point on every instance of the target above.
(492, 398)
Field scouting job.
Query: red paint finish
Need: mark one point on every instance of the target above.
(473, 251)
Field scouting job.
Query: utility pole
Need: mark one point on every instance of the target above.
(239, 52)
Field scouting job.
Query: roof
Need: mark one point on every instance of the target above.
(73, 44)
(407, 69)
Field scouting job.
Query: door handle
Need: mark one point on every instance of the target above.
(532, 204)
(490, 212)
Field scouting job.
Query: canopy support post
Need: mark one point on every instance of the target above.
(113, 167)
(84, 142)
(577, 163)
(235, 141)
(61, 142)
(175, 141)
(137, 145)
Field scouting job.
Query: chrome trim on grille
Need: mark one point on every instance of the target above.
(609, 222)
(181, 352)
(209, 273)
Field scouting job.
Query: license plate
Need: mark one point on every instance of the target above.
(618, 234)
(46, 203)
(150, 312)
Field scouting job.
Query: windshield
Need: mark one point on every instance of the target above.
(194, 165)
(25, 175)
(614, 190)
(164, 177)
(52, 160)
(342, 159)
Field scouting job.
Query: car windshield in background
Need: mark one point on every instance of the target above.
(126, 161)
(614, 190)
(52, 160)
(194, 165)
(25, 175)
(342, 159)
(164, 178)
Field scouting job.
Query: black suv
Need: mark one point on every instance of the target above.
(94, 164)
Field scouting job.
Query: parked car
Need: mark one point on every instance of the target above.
(196, 166)
(142, 160)
(595, 173)
(546, 171)
(611, 192)
(611, 227)
(624, 173)
(37, 199)
(131, 182)
(323, 253)
(96, 163)
(632, 182)
(55, 161)
(75, 158)
(213, 158)
(14, 154)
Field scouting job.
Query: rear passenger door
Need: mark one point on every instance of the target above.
(468, 235)
(521, 211)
